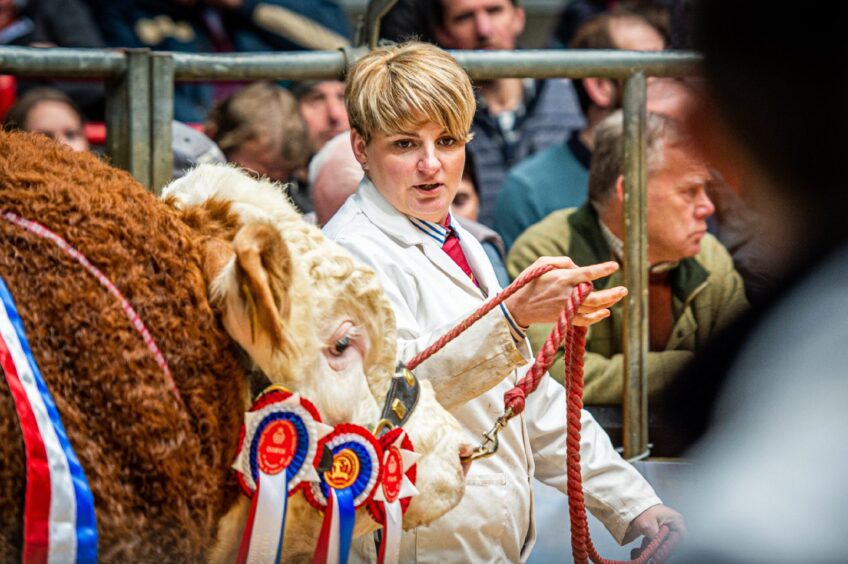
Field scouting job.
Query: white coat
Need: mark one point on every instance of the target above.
(494, 522)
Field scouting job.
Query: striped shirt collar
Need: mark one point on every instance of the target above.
(435, 231)
(616, 245)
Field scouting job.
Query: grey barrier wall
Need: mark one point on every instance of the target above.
(139, 110)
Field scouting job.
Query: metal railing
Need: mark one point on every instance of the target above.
(139, 110)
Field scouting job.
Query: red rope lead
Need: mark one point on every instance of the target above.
(574, 340)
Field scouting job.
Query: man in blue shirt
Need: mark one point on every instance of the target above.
(556, 177)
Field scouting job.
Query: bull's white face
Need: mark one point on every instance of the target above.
(341, 372)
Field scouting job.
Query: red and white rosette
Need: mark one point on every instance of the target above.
(347, 486)
(397, 487)
(279, 441)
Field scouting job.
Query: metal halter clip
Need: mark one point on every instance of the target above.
(490, 444)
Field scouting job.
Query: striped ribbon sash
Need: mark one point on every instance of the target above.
(59, 520)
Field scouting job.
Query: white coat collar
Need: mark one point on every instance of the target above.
(400, 228)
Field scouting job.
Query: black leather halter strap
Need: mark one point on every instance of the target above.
(400, 401)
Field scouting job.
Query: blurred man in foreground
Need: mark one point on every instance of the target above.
(770, 483)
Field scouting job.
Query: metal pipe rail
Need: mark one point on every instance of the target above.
(481, 65)
(61, 63)
(139, 110)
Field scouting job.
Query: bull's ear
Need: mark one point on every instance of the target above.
(264, 273)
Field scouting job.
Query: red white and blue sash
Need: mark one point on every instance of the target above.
(59, 519)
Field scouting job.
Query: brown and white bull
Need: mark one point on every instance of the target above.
(159, 468)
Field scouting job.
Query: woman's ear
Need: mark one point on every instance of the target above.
(357, 143)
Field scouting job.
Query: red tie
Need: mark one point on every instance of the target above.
(453, 249)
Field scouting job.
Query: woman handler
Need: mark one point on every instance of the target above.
(410, 109)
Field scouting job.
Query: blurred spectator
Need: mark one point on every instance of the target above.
(192, 148)
(322, 107)
(735, 221)
(408, 20)
(54, 23)
(260, 128)
(201, 26)
(164, 25)
(694, 289)
(769, 484)
(660, 13)
(334, 174)
(466, 203)
(556, 177)
(286, 25)
(514, 118)
(51, 112)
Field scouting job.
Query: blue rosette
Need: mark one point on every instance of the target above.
(279, 441)
(348, 485)
(297, 418)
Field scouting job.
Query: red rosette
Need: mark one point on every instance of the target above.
(391, 477)
(357, 457)
(271, 395)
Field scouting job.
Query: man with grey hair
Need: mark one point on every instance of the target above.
(694, 289)
(334, 174)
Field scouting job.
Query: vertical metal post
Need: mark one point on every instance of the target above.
(635, 400)
(128, 116)
(161, 115)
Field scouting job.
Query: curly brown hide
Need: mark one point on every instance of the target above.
(158, 473)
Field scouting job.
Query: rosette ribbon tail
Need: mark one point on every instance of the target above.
(262, 542)
(390, 544)
(337, 529)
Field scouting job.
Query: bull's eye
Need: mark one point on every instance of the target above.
(340, 346)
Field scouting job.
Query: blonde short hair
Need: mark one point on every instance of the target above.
(401, 87)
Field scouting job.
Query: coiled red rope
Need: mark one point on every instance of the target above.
(574, 340)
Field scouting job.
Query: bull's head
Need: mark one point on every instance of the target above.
(314, 321)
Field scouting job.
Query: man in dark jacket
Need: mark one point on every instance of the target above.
(515, 118)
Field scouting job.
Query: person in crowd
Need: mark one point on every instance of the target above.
(285, 25)
(54, 23)
(165, 25)
(514, 117)
(321, 105)
(204, 26)
(735, 221)
(192, 148)
(411, 108)
(694, 289)
(408, 20)
(51, 112)
(466, 202)
(767, 400)
(334, 174)
(661, 14)
(557, 177)
(259, 127)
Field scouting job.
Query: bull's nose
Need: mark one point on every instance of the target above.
(465, 452)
